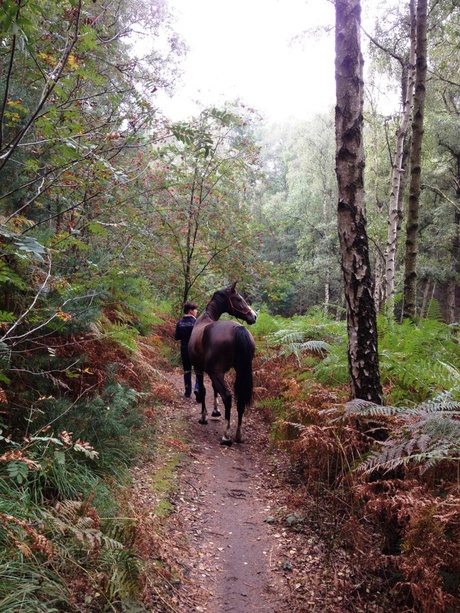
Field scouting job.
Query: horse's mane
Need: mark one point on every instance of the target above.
(220, 297)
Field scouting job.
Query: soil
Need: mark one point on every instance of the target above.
(235, 549)
(233, 539)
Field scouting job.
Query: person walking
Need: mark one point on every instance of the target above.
(183, 332)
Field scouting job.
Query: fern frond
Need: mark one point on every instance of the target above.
(316, 346)
(452, 369)
(367, 408)
(69, 509)
(286, 337)
(422, 437)
(111, 543)
(441, 404)
(292, 342)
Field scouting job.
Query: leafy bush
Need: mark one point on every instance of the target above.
(317, 335)
(266, 324)
(60, 408)
(106, 421)
(415, 358)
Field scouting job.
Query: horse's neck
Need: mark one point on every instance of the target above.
(213, 310)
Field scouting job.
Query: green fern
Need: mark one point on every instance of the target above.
(107, 422)
(123, 570)
(292, 342)
(414, 359)
(434, 311)
(424, 435)
(121, 333)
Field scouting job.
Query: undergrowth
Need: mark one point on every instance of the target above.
(381, 483)
(76, 412)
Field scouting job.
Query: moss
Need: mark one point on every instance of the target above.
(164, 482)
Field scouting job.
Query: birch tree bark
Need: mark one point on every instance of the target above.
(410, 273)
(358, 283)
(397, 177)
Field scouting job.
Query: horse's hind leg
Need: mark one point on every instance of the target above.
(215, 412)
(199, 386)
(238, 434)
(227, 400)
(219, 387)
(201, 396)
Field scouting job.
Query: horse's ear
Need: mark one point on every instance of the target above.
(233, 286)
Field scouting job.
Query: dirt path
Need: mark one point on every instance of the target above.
(226, 531)
(223, 501)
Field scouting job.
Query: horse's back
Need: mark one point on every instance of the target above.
(221, 345)
(213, 344)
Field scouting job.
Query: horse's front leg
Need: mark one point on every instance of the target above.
(201, 396)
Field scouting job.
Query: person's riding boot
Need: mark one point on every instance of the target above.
(188, 384)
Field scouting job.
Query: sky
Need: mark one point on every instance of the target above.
(244, 50)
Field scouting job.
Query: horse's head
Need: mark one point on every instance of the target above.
(238, 307)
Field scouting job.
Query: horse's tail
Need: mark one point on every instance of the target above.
(244, 353)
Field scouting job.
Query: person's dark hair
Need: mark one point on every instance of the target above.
(189, 306)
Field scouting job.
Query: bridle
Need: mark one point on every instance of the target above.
(248, 310)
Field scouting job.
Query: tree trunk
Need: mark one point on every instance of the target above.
(358, 284)
(452, 286)
(327, 283)
(327, 293)
(425, 298)
(379, 280)
(397, 178)
(410, 273)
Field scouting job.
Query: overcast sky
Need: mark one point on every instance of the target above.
(244, 49)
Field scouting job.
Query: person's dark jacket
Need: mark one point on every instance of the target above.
(184, 330)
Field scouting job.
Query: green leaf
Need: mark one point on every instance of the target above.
(8, 276)
(4, 378)
(46, 439)
(96, 229)
(17, 471)
(60, 457)
(30, 245)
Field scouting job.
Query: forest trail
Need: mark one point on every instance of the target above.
(223, 501)
(238, 535)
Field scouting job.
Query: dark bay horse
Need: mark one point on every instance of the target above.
(217, 346)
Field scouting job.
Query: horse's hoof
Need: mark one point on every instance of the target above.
(226, 441)
(203, 421)
(216, 414)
